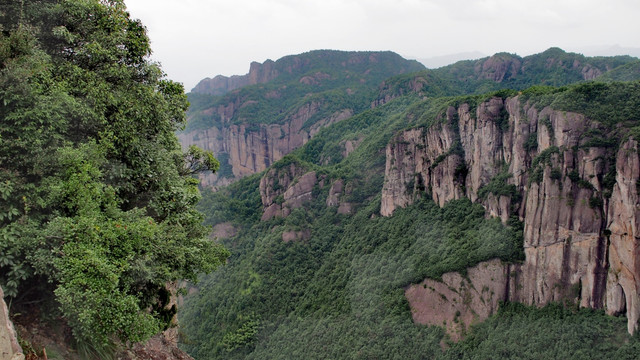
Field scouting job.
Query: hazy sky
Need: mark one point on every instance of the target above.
(194, 39)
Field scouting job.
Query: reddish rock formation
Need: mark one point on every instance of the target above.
(623, 220)
(285, 189)
(223, 231)
(460, 301)
(579, 244)
(252, 149)
(337, 192)
(9, 347)
(289, 236)
(498, 66)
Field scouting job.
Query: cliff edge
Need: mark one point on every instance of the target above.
(558, 172)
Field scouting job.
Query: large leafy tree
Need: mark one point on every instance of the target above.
(96, 197)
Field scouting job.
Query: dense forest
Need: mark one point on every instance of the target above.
(339, 291)
(327, 278)
(381, 189)
(98, 200)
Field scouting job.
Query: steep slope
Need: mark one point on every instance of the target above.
(278, 106)
(291, 99)
(567, 176)
(220, 84)
(626, 72)
(486, 199)
(9, 346)
(553, 67)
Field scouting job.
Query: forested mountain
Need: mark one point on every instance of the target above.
(286, 102)
(97, 200)
(425, 225)
(364, 207)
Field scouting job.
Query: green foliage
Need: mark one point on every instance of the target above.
(98, 204)
(532, 142)
(344, 284)
(551, 332)
(553, 67)
(595, 202)
(339, 294)
(198, 160)
(626, 72)
(241, 337)
(324, 82)
(499, 186)
(540, 162)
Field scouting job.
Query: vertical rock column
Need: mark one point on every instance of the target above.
(623, 280)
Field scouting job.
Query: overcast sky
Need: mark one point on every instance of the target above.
(194, 39)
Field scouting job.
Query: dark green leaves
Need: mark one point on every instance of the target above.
(97, 209)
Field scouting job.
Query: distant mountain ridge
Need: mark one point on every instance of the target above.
(289, 101)
(291, 65)
(253, 120)
(220, 84)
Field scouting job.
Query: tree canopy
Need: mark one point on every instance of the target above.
(97, 205)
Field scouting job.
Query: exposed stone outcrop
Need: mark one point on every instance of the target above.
(460, 301)
(248, 149)
(158, 347)
(292, 235)
(350, 146)
(9, 347)
(503, 67)
(623, 220)
(219, 85)
(337, 193)
(285, 189)
(223, 231)
(498, 66)
(580, 235)
(249, 141)
(163, 346)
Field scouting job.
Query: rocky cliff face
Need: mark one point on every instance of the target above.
(220, 85)
(577, 199)
(285, 189)
(249, 129)
(290, 187)
(459, 301)
(248, 149)
(9, 347)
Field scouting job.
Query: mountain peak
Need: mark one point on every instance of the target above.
(290, 66)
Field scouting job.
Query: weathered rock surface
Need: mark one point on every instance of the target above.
(159, 347)
(580, 236)
(163, 346)
(498, 66)
(460, 301)
(285, 189)
(337, 193)
(623, 220)
(248, 142)
(252, 149)
(9, 347)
